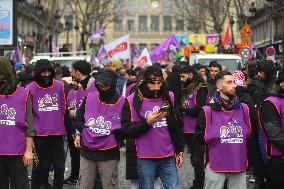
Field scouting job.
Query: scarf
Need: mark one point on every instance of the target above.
(226, 104)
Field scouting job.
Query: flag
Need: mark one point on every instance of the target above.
(54, 49)
(163, 51)
(16, 55)
(226, 36)
(118, 49)
(94, 58)
(102, 55)
(99, 34)
(135, 53)
(144, 59)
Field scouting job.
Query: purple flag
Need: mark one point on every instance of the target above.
(102, 55)
(99, 34)
(15, 55)
(55, 49)
(164, 50)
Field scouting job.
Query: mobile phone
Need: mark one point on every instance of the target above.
(163, 109)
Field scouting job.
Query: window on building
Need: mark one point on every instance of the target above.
(155, 23)
(179, 24)
(167, 5)
(118, 23)
(142, 23)
(167, 23)
(143, 6)
(131, 6)
(130, 25)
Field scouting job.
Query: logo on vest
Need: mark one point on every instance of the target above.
(48, 103)
(9, 113)
(72, 105)
(99, 125)
(186, 101)
(232, 133)
(162, 123)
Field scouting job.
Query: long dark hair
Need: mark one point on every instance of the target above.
(8, 80)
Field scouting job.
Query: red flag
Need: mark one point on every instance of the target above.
(226, 36)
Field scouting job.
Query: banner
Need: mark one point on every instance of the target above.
(212, 39)
(144, 59)
(118, 49)
(182, 39)
(197, 40)
(166, 51)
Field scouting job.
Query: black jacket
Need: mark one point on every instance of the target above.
(271, 123)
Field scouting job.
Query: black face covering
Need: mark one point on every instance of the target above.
(44, 81)
(105, 95)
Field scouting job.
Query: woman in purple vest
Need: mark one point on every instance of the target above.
(16, 130)
(49, 104)
(98, 120)
(157, 131)
(225, 128)
(272, 122)
(194, 98)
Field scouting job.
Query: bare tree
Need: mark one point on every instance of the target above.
(93, 14)
(209, 15)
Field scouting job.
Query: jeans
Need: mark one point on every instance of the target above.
(165, 167)
(215, 180)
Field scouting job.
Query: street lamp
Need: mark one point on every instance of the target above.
(252, 9)
(232, 22)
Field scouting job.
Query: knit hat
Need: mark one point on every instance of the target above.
(106, 77)
(240, 78)
(266, 66)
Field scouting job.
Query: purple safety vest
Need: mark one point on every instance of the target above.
(100, 121)
(226, 136)
(48, 108)
(189, 122)
(13, 122)
(279, 105)
(72, 99)
(156, 142)
(83, 93)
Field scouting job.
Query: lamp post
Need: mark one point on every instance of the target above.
(232, 22)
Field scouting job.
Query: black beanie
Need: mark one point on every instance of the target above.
(82, 66)
(42, 65)
(106, 77)
(267, 66)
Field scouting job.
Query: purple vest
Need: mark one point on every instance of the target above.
(129, 88)
(48, 108)
(279, 105)
(83, 93)
(189, 122)
(226, 136)
(13, 122)
(100, 121)
(72, 99)
(156, 142)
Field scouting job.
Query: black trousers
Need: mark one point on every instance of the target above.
(275, 170)
(12, 167)
(50, 150)
(75, 158)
